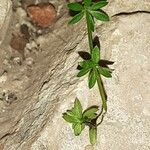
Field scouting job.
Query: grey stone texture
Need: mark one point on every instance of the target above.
(5, 17)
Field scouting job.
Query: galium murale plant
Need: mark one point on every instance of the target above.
(93, 66)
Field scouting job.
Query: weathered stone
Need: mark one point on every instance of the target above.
(126, 125)
(120, 6)
(5, 16)
(34, 121)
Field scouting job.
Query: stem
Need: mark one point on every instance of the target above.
(99, 79)
(101, 90)
(89, 31)
(101, 120)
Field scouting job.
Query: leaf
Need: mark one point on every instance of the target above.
(106, 72)
(78, 108)
(102, 16)
(84, 55)
(90, 112)
(76, 18)
(87, 64)
(92, 78)
(70, 112)
(75, 6)
(87, 2)
(70, 119)
(91, 22)
(84, 64)
(77, 129)
(93, 135)
(83, 71)
(96, 54)
(99, 5)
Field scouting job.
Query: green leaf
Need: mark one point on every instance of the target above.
(106, 72)
(77, 129)
(92, 78)
(87, 2)
(99, 5)
(85, 64)
(91, 22)
(76, 18)
(93, 135)
(75, 6)
(102, 16)
(96, 54)
(78, 108)
(83, 71)
(70, 119)
(90, 112)
(71, 112)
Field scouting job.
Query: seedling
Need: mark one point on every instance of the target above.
(92, 66)
(79, 119)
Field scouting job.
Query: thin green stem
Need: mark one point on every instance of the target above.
(89, 31)
(99, 80)
(102, 91)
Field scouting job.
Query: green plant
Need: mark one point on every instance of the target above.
(94, 66)
(79, 118)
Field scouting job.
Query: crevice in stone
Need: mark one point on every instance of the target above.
(131, 13)
(6, 135)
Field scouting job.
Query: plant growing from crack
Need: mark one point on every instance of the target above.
(94, 66)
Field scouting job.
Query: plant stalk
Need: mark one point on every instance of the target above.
(89, 31)
(102, 91)
(99, 79)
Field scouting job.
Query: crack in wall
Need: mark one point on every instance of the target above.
(131, 13)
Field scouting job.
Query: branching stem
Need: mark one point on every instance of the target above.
(99, 79)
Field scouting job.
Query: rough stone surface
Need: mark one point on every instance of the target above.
(126, 125)
(49, 87)
(5, 15)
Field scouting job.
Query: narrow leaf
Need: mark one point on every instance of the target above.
(92, 78)
(91, 22)
(70, 119)
(96, 54)
(83, 126)
(76, 18)
(90, 112)
(102, 16)
(84, 64)
(83, 72)
(84, 55)
(78, 108)
(71, 112)
(77, 129)
(87, 2)
(99, 5)
(87, 64)
(75, 6)
(93, 135)
(106, 72)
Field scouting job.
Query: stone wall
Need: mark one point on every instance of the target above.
(47, 88)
